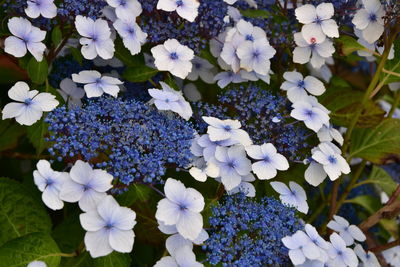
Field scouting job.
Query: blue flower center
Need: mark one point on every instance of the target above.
(182, 207)
(309, 113)
(301, 84)
(227, 128)
(122, 2)
(109, 226)
(49, 182)
(28, 101)
(256, 54)
(266, 159)
(332, 160)
(179, 3)
(231, 164)
(372, 17)
(318, 20)
(173, 56)
(86, 187)
(249, 37)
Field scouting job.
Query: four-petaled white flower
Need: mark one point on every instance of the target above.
(95, 84)
(30, 106)
(340, 254)
(313, 114)
(297, 86)
(268, 160)
(203, 69)
(126, 9)
(132, 36)
(332, 162)
(220, 130)
(71, 93)
(317, 21)
(173, 57)
(46, 8)
(184, 257)
(109, 227)
(232, 164)
(169, 99)
(181, 207)
(317, 49)
(25, 38)
(347, 232)
(255, 56)
(248, 31)
(245, 186)
(87, 185)
(227, 77)
(293, 196)
(96, 40)
(187, 9)
(368, 258)
(301, 248)
(49, 182)
(369, 20)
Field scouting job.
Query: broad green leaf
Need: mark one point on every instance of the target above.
(369, 203)
(37, 71)
(393, 66)
(20, 213)
(56, 36)
(350, 45)
(256, 13)
(136, 192)
(343, 102)
(9, 134)
(76, 54)
(32, 247)
(62, 233)
(139, 74)
(36, 134)
(83, 260)
(382, 179)
(115, 259)
(377, 144)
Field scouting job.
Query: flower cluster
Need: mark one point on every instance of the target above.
(246, 232)
(133, 141)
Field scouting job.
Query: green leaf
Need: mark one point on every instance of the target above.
(115, 259)
(139, 74)
(20, 213)
(380, 177)
(377, 144)
(256, 13)
(56, 36)
(136, 192)
(32, 247)
(344, 102)
(76, 54)
(83, 260)
(350, 45)
(37, 71)
(10, 132)
(62, 233)
(369, 203)
(36, 134)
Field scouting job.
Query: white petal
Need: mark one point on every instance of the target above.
(71, 191)
(356, 233)
(167, 212)
(315, 174)
(175, 242)
(15, 46)
(51, 198)
(91, 221)
(121, 241)
(97, 243)
(90, 199)
(190, 224)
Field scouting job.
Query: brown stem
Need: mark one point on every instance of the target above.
(394, 196)
(386, 246)
(386, 212)
(371, 242)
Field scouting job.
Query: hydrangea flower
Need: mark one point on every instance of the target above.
(328, 134)
(86, 186)
(332, 162)
(126, 9)
(392, 255)
(313, 50)
(269, 160)
(201, 69)
(313, 114)
(184, 257)
(173, 57)
(46, 8)
(71, 93)
(317, 21)
(340, 254)
(220, 130)
(181, 207)
(25, 37)
(232, 164)
(109, 227)
(50, 182)
(131, 34)
(347, 232)
(248, 232)
(318, 241)
(227, 77)
(293, 196)
(369, 20)
(301, 248)
(368, 259)
(30, 106)
(297, 86)
(187, 9)
(95, 84)
(245, 187)
(96, 38)
(169, 99)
